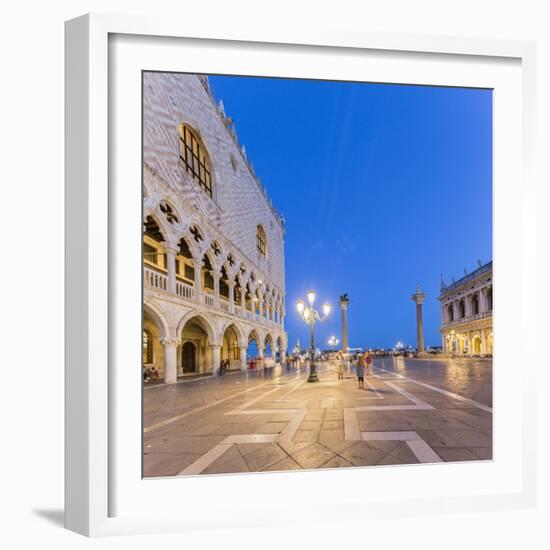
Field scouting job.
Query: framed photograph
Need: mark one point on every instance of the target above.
(295, 275)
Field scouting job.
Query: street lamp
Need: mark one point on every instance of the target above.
(333, 341)
(309, 316)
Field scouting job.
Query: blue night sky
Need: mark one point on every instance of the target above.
(382, 187)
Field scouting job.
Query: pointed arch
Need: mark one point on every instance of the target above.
(156, 315)
(203, 322)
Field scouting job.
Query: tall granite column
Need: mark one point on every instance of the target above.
(344, 301)
(418, 298)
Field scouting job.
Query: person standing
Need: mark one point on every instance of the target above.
(360, 371)
(340, 365)
(368, 362)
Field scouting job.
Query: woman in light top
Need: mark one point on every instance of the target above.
(340, 365)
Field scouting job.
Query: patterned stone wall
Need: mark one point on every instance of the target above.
(239, 203)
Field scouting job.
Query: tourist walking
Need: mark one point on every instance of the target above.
(360, 371)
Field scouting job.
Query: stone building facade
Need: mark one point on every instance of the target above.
(213, 244)
(467, 313)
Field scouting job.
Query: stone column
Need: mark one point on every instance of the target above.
(344, 301)
(483, 343)
(260, 305)
(242, 356)
(170, 360)
(217, 278)
(198, 281)
(231, 286)
(483, 301)
(418, 298)
(171, 268)
(216, 357)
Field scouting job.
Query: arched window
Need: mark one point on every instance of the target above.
(261, 241)
(193, 157)
(147, 347)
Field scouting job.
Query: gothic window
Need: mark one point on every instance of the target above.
(261, 241)
(184, 249)
(147, 347)
(224, 286)
(237, 295)
(152, 229)
(208, 277)
(193, 157)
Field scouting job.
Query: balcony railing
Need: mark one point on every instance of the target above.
(184, 290)
(157, 281)
(468, 319)
(154, 279)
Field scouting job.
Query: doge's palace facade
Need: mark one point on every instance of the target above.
(467, 313)
(213, 245)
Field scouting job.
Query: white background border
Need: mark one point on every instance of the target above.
(34, 72)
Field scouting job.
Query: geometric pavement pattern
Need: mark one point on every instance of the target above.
(245, 423)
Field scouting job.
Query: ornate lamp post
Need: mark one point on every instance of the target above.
(333, 341)
(309, 316)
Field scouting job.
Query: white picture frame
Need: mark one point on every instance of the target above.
(99, 500)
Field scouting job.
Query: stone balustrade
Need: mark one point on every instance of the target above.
(157, 281)
(468, 319)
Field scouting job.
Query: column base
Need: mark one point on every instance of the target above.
(313, 377)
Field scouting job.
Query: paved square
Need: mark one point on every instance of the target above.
(411, 411)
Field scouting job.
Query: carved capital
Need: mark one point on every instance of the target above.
(169, 342)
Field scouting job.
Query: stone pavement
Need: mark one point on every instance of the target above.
(411, 411)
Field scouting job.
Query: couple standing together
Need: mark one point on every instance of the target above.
(364, 361)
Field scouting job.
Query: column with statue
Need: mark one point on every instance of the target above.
(344, 301)
(418, 298)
